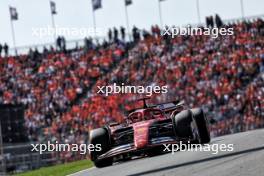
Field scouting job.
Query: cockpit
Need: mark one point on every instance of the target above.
(144, 114)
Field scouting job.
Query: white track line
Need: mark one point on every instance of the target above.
(81, 171)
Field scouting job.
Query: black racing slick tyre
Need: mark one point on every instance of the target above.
(181, 124)
(100, 136)
(202, 125)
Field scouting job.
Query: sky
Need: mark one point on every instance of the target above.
(142, 13)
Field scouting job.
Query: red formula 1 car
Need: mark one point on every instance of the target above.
(146, 131)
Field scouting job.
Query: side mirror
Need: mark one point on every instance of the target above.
(113, 124)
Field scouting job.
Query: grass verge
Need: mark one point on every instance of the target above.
(60, 170)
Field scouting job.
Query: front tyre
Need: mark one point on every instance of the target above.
(182, 124)
(202, 125)
(100, 136)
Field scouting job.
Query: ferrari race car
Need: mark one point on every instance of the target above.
(146, 130)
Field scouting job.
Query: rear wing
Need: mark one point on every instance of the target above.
(169, 106)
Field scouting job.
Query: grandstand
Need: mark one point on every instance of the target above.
(58, 88)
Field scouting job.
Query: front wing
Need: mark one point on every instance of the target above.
(130, 148)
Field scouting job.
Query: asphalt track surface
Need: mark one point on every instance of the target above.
(247, 159)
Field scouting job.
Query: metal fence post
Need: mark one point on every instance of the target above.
(2, 157)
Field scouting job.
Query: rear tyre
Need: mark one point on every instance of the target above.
(100, 136)
(202, 125)
(181, 124)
